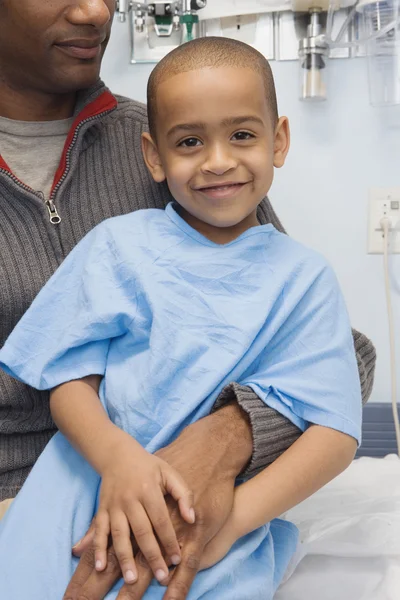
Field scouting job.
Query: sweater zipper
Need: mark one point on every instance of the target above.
(54, 216)
(51, 209)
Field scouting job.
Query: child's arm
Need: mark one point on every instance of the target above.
(316, 458)
(134, 482)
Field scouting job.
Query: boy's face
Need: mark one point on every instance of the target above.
(216, 144)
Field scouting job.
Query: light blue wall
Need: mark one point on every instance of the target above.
(340, 149)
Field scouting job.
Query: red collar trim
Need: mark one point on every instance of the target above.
(4, 165)
(105, 102)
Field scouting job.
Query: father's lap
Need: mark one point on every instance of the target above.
(4, 507)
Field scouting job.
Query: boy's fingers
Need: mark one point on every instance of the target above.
(100, 542)
(159, 516)
(121, 537)
(144, 535)
(175, 485)
(84, 543)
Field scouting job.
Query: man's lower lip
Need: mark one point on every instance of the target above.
(82, 53)
(223, 191)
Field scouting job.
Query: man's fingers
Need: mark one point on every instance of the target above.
(84, 543)
(137, 590)
(180, 584)
(88, 583)
(81, 575)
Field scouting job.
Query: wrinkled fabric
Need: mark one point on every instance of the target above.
(350, 537)
(169, 318)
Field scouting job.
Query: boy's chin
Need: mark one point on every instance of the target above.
(224, 224)
(227, 222)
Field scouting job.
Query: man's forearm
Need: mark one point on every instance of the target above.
(231, 427)
(272, 434)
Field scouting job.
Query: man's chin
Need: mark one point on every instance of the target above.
(81, 79)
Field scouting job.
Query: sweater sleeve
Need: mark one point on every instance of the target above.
(273, 433)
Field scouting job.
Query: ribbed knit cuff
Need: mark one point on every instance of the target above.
(366, 360)
(272, 433)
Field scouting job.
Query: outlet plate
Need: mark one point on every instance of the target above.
(383, 202)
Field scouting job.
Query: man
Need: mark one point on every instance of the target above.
(69, 158)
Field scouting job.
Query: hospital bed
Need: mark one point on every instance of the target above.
(349, 545)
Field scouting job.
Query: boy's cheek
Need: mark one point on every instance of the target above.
(178, 176)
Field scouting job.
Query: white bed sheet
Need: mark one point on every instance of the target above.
(349, 537)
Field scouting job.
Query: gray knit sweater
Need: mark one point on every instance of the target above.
(101, 174)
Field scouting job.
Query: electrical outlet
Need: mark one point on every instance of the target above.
(384, 202)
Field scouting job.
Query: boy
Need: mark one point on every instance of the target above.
(202, 294)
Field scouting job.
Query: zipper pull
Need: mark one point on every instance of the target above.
(53, 214)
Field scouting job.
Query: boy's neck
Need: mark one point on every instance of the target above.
(219, 235)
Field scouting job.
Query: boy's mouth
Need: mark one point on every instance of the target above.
(225, 190)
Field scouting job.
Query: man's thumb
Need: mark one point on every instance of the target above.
(84, 543)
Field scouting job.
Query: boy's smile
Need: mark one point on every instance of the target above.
(217, 145)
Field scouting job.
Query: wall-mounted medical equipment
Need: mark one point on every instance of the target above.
(382, 37)
(311, 31)
(313, 54)
(157, 26)
(372, 28)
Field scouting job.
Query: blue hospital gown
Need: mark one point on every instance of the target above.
(170, 318)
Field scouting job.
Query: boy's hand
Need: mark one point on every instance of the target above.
(213, 505)
(132, 492)
(209, 455)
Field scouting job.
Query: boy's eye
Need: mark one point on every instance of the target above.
(190, 142)
(242, 135)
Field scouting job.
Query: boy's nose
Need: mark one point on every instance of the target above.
(219, 161)
(96, 13)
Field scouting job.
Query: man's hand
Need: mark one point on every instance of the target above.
(208, 455)
(211, 471)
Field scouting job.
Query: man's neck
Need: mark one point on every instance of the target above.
(28, 105)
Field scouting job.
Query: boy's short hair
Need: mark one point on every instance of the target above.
(209, 52)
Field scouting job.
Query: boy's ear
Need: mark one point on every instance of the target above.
(152, 158)
(281, 142)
